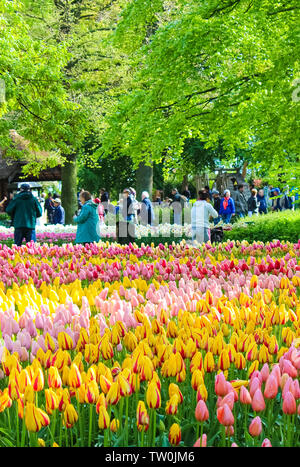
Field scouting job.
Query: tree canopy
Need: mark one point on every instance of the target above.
(217, 71)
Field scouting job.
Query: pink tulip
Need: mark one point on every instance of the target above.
(254, 385)
(225, 415)
(289, 406)
(220, 385)
(201, 411)
(266, 443)
(255, 427)
(271, 387)
(201, 443)
(228, 399)
(234, 445)
(265, 372)
(258, 402)
(245, 397)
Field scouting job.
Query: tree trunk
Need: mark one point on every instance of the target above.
(185, 182)
(144, 180)
(244, 171)
(69, 188)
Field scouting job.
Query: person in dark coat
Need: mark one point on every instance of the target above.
(59, 212)
(146, 211)
(252, 203)
(127, 207)
(217, 204)
(24, 209)
(49, 208)
(104, 198)
(186, 192)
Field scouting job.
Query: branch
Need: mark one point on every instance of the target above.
(30, 111)
(284, 10)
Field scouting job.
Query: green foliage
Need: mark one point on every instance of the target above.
(283, 226)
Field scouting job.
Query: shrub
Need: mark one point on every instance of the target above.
(283, 226)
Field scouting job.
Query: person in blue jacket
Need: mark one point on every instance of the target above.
(262, 202)
(87, 220)
(227, 208)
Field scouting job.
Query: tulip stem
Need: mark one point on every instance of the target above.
(142, 437)
(23, 429)
(17, 415)
(201, 434)
(126, 421)
(154, 426)
(80, 422)
(90, 425)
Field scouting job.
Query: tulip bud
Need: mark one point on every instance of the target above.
(175, 434)
(103, 419)
(75, 380)
(255, 427)
(153, 397)
(114, 425)
(70, 416)
(201, 412)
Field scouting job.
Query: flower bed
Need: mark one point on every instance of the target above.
(150, 346)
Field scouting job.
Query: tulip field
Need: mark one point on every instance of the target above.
(174, 345)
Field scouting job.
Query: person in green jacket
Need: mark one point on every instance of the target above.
(87, 220)
(24, 209)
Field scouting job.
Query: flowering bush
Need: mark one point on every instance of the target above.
(171, 345)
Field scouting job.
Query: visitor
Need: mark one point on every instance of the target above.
(262, 202)
(207, 189)
(59, 212)
(49, 208)
(104, 198)
(24, 209)
(276, 200)
(135, 204)
(100, 210)
(146, 209)
(252, 203)
(158, 197)
(87, 220)
(186, 192)
(240, 202)
(201, 212)
(227, 207)
(127, 206)
(217, 203)
(2, 203)
(176, 205)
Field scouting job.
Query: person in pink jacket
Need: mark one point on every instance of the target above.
(100, 210)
